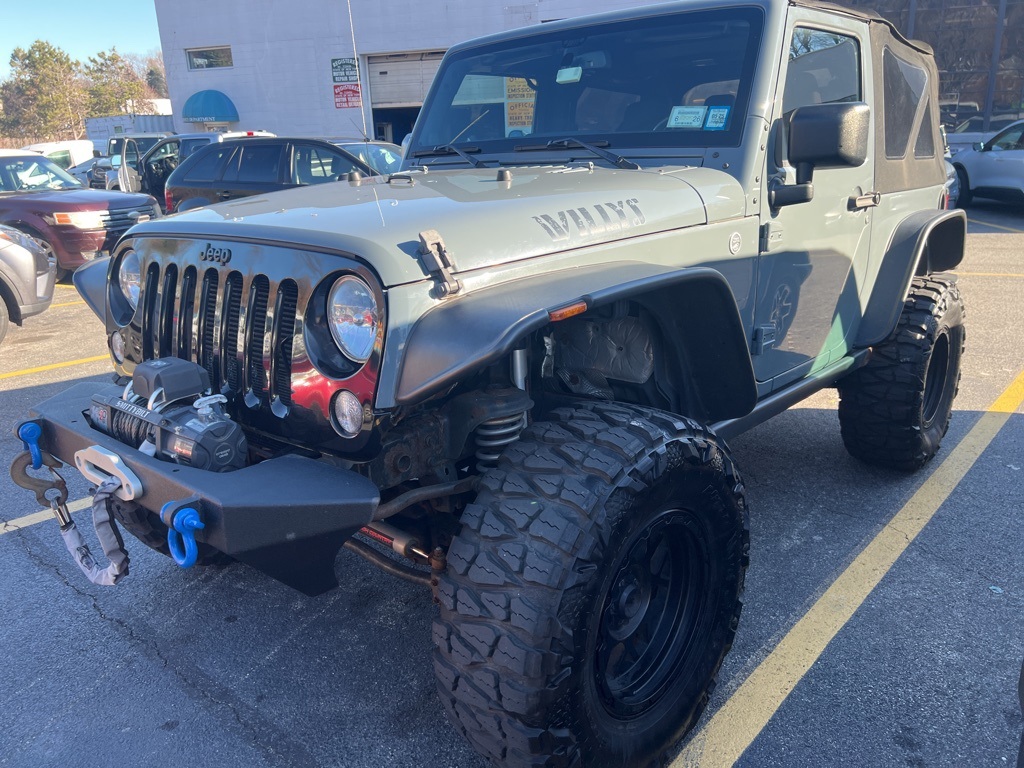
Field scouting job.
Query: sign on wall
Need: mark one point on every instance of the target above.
(344, 71)
(347, 96)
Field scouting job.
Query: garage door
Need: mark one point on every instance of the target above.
(402, 79)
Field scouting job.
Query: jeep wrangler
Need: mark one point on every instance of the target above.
(508, 371)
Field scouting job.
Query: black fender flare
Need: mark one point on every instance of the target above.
(924, 242)
(695, 307)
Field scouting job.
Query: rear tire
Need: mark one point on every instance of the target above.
(964, 196)
(895, 411)
(593, 591)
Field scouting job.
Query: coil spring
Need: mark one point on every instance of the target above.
(493, 435)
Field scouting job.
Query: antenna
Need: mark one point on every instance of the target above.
(355, 55)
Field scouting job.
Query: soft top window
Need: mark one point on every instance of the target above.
(905, 87)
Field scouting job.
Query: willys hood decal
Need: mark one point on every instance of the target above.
(484, 217)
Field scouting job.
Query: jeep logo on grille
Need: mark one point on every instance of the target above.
(218, 255)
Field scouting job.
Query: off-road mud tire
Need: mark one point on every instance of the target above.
(527, 604)
(895, 411)
(148, 528)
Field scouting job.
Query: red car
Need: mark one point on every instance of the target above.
(74, 223)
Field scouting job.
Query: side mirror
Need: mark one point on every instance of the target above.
(821, 136)
(978, 146)
(115, 161)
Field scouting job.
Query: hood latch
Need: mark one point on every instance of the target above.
(438, 262)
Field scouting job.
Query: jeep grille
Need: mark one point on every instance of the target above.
(239, 329)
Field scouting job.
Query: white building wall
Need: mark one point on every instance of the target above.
(282, 51)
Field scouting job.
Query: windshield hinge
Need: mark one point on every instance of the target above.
(438, 262)
(771, 236)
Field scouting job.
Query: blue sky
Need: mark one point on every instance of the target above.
(83, 28)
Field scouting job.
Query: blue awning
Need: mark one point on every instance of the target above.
(209, 107)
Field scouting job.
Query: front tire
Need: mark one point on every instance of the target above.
(593, 591)
(895, 411)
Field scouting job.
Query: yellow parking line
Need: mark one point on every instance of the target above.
(67, 304)
(728, 733)
(10, 526)
(996, 226)
(53, 366)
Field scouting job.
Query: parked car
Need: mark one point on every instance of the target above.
(952, 186)
(244, 167)
(65, 154)
(969, 132)
(994, 169)
(149, 174)
(383, 156)
(83, 171)
(27, 275)
(141, 143)
(73, 223)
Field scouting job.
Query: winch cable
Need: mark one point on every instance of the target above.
(106, 531)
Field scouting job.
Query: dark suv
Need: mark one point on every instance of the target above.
(246, 167)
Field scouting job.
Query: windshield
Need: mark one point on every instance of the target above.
(33, 173)
(675, 80)
(383, 158)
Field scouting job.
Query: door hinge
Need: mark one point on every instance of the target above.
(764, 339)
(771, 236)
(438, 262)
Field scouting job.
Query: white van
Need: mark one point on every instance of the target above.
(65, 153)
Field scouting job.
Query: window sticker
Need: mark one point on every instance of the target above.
(717, 118)
(686, 117)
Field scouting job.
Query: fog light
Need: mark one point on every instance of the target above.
(117, 346)
(348, 413)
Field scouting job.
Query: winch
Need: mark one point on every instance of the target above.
(167, 411)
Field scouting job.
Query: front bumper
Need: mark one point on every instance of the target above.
(286, 516)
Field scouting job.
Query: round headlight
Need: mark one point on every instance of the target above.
(129, 277)
(353, 316)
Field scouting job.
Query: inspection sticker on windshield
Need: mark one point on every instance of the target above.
(686, 117)
(717, 118)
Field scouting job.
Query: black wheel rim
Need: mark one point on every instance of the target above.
(935, 379)
(652, 613)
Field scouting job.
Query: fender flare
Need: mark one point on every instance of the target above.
(695, 307)
(90, 280)
(924, 242)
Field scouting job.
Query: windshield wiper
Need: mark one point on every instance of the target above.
(617, 160)
(451, 149)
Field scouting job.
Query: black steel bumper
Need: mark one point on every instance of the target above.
(286, 516)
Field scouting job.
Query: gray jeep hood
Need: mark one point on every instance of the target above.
(482, 221)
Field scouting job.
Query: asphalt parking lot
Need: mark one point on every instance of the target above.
(883, 621)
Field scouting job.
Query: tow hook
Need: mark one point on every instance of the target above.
(106, 529)
(182, 521)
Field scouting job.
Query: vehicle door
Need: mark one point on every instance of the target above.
(807, 303)
(254, 169)
(128, 178)
(157, 165)
(198, 180)
(316, 164)
(1000, 164)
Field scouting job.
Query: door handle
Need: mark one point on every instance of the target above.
(867, 200)
(223, 195)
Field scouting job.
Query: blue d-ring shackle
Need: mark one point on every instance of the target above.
(30, 432)
(181, 539)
